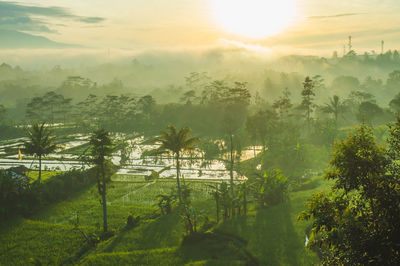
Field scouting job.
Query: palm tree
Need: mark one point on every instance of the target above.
(176, 142)
(40, 143)
(101, 149)
(333, 107)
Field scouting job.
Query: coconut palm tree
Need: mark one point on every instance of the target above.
(176, 142)
(334, 107)
(41, 142)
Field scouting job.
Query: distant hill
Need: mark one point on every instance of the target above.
(10, 39)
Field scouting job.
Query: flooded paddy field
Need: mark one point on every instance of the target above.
(135, 159)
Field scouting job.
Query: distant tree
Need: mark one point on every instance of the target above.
(283, 105)
(358, 222)
(396, 56)
(372, 86)
(65, 109)
(176, 142)
(233, 102)
(2, 113)
(50, 107)
(101, 149)
(213, 93)
(307, 94)
(368, 111)
(357, 97)
(41, 142)
(87, 111)
(110, 111)
(146, 106)
(319, 83)
(395, 104)
(261, 125)
(73, 86)
(233, 118)
(188, 97)
(35, 109)
(251, 128)
(52, 103)
(335, 107)
(197, 81)
(393, 82)
(210, 150)
(345, 83)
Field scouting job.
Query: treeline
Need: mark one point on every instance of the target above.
(291, 127)
(204, 96)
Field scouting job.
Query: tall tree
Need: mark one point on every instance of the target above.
(41, 142)
(101, 149)
(283, 105)
(307, 94)
(176, 142)
(234, 101)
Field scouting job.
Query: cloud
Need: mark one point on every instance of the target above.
(35, 18)
(24, 24)
(91, 19)
(336, 15)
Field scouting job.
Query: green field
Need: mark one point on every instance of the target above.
(34, 175)
(273, 235)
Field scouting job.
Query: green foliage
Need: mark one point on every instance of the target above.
(368, 112)
(334, 107)
(261, 126)
(101, 149)
(357, 223)
(165, 202)
(271, 189)
(40, 143)
(307, 93)
(176, 142)
(357, 161)
(132, 221)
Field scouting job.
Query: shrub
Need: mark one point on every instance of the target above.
(271, 189)
(132, 221)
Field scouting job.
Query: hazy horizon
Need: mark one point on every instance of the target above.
(113, 30)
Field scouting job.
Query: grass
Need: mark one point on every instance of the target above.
(272, 236)
(46, 175)
(22, 240)
(165, 256)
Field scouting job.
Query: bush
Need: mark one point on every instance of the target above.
(271, 189)
(132, 221)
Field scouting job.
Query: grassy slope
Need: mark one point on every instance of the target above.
(22, 240)
(274, 236)
(34, 175)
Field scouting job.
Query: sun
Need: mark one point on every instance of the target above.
(254, 18)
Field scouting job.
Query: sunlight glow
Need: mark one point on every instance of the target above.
(254, 18)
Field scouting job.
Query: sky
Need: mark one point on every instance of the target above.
(315, 27)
